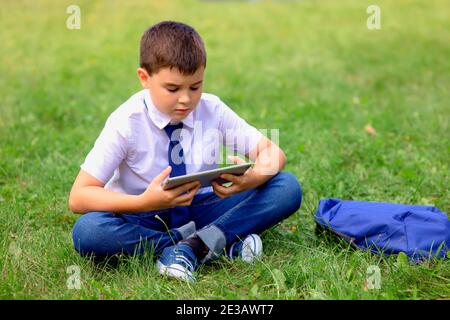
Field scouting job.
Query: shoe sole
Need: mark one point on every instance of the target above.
(176, 271)
(251, 248)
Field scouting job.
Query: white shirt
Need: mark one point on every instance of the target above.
(132, 148)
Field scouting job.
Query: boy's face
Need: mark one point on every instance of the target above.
(172, 92)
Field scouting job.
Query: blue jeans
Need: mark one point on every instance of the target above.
(219, 222)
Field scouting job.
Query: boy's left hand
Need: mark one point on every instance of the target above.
(249, 180)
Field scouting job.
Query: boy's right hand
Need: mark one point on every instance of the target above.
(155, 197)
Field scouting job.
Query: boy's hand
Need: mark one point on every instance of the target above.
(155, 197)
(249, 180)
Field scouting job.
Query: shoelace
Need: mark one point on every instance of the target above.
(186, 261)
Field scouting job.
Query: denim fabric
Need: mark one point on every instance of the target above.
(220, 222)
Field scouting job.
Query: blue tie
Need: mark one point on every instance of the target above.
(176, 158)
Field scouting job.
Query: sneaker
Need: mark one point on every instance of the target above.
(178, 261)
(247, 249)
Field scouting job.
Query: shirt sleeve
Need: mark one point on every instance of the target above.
(109, 150)
(237, 134)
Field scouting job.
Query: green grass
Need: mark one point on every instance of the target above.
(310, 68)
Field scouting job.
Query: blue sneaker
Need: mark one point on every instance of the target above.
(247, 249)
(178, 261)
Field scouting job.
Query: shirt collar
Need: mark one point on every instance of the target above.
(160, 119)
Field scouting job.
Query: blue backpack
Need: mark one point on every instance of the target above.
(419, 231)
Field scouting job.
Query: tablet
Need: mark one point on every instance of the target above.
(205, 177)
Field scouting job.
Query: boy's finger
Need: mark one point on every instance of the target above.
(230, 177)
(223, 190)
(188, 196)
(236, 159)
(219, 188)
(163, 175)
(185, 187)
(219, 194)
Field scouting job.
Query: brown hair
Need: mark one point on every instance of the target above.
(172, 44)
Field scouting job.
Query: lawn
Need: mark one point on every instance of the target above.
(363, 114)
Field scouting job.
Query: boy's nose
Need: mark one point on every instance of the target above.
(184, 99)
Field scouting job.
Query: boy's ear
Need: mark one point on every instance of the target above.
(143, 77)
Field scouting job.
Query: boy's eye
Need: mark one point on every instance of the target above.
(176, 89)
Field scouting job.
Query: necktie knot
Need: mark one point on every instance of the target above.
(170, 128)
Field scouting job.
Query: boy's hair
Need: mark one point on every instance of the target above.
(172, 44)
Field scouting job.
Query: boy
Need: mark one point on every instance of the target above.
(165, 130)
